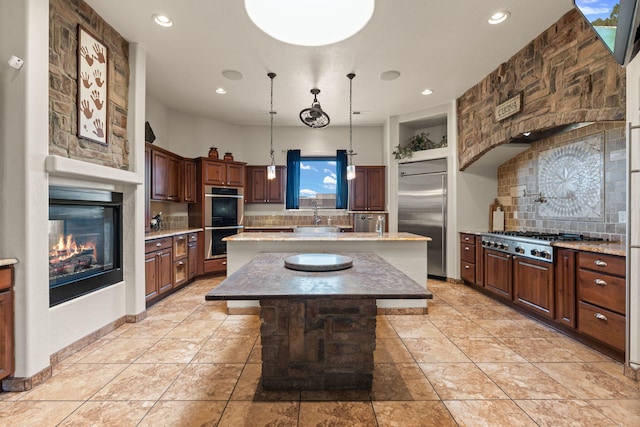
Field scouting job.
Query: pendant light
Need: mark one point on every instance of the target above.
(314, 117)
(271, 169)
(351, 168)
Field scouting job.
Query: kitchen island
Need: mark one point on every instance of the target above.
(318, 328)
(405, 251)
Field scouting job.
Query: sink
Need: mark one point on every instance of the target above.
(316, 229)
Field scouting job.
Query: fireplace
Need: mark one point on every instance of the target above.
(85, 242)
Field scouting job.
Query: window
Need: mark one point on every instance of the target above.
(316, 180)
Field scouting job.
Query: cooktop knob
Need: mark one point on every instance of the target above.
(519, 249)
(546, 254)
(505, 246)
(535, 252)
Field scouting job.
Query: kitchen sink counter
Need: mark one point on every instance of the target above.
(288, 228)
(169, 233)
(609, 248)
(328, 237)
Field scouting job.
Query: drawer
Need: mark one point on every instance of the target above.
(193, 237)
(468, 252)
(6, 278)
(215, 265)
(609, 264)
(602, 290)
(468, 272)
(156, 244)
(601, 324)
(467, 238)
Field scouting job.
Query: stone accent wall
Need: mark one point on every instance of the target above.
(566, 75)
(64, 17)
(521, 172)
(318, 344)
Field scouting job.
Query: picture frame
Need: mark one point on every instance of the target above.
(93, 88)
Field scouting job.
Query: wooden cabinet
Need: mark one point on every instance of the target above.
(6, 322)
(147, 188)
(193, 255)
(468, 264)
(180, 260)
(190, 191)
(166, 176)
(533, 285)
(158, 267)
(498, 273)
(601, 295)
(219, 172)
(259, 189)
(367, 190)
(565, 281)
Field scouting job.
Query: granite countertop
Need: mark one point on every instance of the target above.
(609, 248)
(291, 227)
(265, 277)
(7, 261)
(345, 237)
(169, 233)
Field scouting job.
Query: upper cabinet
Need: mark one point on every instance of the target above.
(169, 177)
(259, 189)
(220, 172)
(190, 191)
(367, 191)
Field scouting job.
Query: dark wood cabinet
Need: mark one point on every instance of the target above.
(259, 189)
(166, 176)
(468, 265)
(190, 191)
(533, 285)
(193, 255)
(219, 172)
(147, 188)
(498, 273)
(6, 322)
(367, 190)
(565, 280)
(158, 267)
(180, 260)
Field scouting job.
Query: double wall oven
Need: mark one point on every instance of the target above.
(223, 216)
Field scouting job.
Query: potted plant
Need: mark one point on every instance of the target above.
(417, 142)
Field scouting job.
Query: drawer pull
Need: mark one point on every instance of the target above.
(181, 263)
(466, 239)
(600, 282)
(466, 248)
(158, 245)
(600, 316)
(466, 267)
(224, 262)
(600, 263)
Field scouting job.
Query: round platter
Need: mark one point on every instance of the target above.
(318, 262)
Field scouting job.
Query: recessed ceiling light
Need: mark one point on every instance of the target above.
(498, 17)
(221, 91)
(310, 23)
(427, 92)
(232, 74)
(389, 75)
(162, 20)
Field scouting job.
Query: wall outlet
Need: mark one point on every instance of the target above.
(622, 217)
(515, 214)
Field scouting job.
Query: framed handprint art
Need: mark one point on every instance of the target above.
(93, 93)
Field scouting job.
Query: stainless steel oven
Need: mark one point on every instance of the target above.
(224, 214)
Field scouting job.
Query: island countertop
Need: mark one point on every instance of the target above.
(326, 237)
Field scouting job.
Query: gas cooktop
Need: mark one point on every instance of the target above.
(549, 237)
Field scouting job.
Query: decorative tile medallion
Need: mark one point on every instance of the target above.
(571, 181)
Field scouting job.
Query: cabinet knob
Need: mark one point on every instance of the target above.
(158, 245)
(600, 316)
(600, 282)
(181, 263)
(224, 262)
(466, 239)
(600, 263)
(466, 248)
(466, 267)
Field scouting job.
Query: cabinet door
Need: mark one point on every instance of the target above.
(174, 179)
(235, 175)
(180, 272)
(275, 187)
(151, 276)
(165, 280)
(190, 194)
(147, 188)
(565, 278)
(479, 263)
(215, 173)
(358, 191)
(375, 189)
(257, 184)
(497, 273)
(159, 175)
(533, 285)
(6, 333)
(193, 260)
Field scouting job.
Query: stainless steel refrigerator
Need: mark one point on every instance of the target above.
(422, 208)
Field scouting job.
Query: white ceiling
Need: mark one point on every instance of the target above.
(446, 46)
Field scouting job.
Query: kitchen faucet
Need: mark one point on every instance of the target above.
(316, 217)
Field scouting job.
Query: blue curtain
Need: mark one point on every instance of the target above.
(293, 179)
(342, 189)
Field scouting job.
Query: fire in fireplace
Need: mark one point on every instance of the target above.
(85, 242)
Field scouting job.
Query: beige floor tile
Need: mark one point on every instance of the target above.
(506, 312)
(335, 395)
(246, 326)
(338, 414)
(588, 382)
(119, 350)
(400, 381)
(624, 412)
(78, 382)
(108, 414)
(215, 311)
(505, 328)
(229, 349)
(414, 327)
(474, 312)
(435, 350)
(484, 349)
(540, 350)
(259, 414)
(204, 382)
(455, 381)
(384, 329)
(462, 328)
(140, 382)
(194, 329)
(249, 387)
(412, 414)
(442, 311)
(32, 414)
(489, 413)
(81, 354)
(149, 328)
(537, 329)
(582, 351)
(172, 350)
(391, 350)
(525, 381)
(184, 414)
(556, 413)
(616, 370)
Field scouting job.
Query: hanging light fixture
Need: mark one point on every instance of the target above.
(351, 168)
(271, 169)
(314, 117)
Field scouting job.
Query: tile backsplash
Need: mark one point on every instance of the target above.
(573, 182)
(286, 220)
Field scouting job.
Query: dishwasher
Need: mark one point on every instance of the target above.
(365, 223)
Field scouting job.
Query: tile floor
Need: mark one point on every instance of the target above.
(469, 362)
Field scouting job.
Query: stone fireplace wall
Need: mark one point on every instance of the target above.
(64, 17)
(566, 75)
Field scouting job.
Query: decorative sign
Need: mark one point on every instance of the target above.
(509, 107)
(92, 88)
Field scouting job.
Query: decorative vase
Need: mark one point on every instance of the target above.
(228, 156)
(213, 153)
